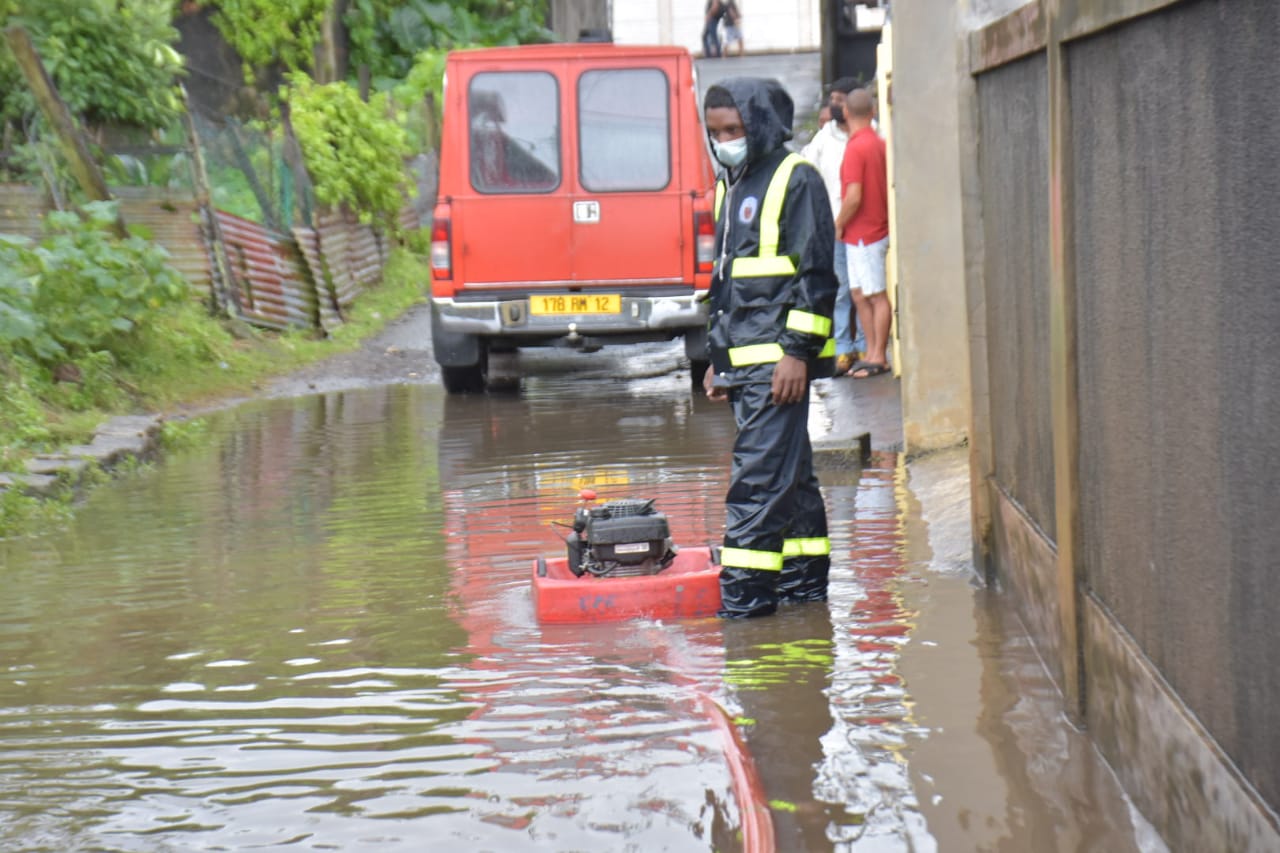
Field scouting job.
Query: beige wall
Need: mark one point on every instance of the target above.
(928, 230)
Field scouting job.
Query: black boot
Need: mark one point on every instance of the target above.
(804, 579)
(747, 592)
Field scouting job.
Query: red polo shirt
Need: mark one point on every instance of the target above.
(864, 163)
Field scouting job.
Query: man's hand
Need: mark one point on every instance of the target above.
(790, 379)
(713, 391)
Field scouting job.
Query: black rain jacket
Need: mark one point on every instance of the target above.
(746, 311)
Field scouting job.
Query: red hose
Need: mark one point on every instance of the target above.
(757, 822)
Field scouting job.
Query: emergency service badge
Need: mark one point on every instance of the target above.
(747, 211)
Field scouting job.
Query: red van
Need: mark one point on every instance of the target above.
(574, 206)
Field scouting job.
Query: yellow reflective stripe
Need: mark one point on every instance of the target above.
(762, 267)
(771, 210)
(719, 198)
(812, 324)
(755, 354)
(745, 558)
(817, 546)
(770, 353)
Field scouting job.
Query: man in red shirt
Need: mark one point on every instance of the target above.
(863, 224)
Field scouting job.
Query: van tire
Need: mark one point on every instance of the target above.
(464, 380)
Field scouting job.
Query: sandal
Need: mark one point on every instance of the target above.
(868, 369)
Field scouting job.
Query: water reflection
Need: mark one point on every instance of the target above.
(317, 631)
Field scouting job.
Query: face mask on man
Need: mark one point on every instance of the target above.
(731, 153)
(837, 113)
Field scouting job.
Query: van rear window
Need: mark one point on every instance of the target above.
(624, 130)
(515, 132)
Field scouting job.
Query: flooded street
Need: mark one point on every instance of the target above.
(315, 631)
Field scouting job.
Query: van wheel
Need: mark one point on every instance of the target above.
(465, 380)
(697, 372)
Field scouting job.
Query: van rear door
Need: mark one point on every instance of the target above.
(628, 224)
(515, 225)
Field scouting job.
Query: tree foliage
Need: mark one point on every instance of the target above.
(267, 32)
(354, 151)
(112, 60)
(387, 35)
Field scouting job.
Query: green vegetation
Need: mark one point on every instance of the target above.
(388, 35)
(80, 291)
(92, 325)
(178, 357)
(270, 32)
(383, 36)
(354, 152)
(112, 61)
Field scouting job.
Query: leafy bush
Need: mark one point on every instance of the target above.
(354, 151)
(113, 62)
(80, 289)
(387, 35)
(265, 32)
(22, 419)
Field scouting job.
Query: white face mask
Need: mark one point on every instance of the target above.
(731, 153)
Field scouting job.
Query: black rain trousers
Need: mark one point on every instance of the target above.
(773, 497)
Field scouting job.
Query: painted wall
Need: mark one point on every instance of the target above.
(932, 314)
(1121, 202)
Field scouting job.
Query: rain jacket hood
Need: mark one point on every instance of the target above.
(767, 112)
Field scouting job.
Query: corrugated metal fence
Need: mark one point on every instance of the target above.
(309, 278)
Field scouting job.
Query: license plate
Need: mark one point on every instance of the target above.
(575, 303)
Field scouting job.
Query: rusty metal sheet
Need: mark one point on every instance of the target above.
(173, 221)
(311, 276)
(335, 234)
(276, 290)
(364, 255)
(308, 242)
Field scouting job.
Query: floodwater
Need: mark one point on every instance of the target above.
(314, 632)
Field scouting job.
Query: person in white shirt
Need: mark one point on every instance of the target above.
(826, 151)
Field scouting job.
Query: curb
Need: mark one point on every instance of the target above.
(121, 438)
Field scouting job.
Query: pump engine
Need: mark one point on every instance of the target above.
(621, 538)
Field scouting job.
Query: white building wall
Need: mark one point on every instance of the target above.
(767, 25)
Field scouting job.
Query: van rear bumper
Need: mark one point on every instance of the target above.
(659, 317)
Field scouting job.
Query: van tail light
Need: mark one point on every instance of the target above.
(704, 233)
(441, 248)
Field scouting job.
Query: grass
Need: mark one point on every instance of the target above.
(185, 359)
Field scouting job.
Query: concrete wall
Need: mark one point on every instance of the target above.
(932, 313)
(1015, 224)
(1181, 484)
(1127, 417)
(767, 25)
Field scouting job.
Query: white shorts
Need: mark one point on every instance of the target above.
(866, 266)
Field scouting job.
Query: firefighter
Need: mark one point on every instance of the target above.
(769, 334)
